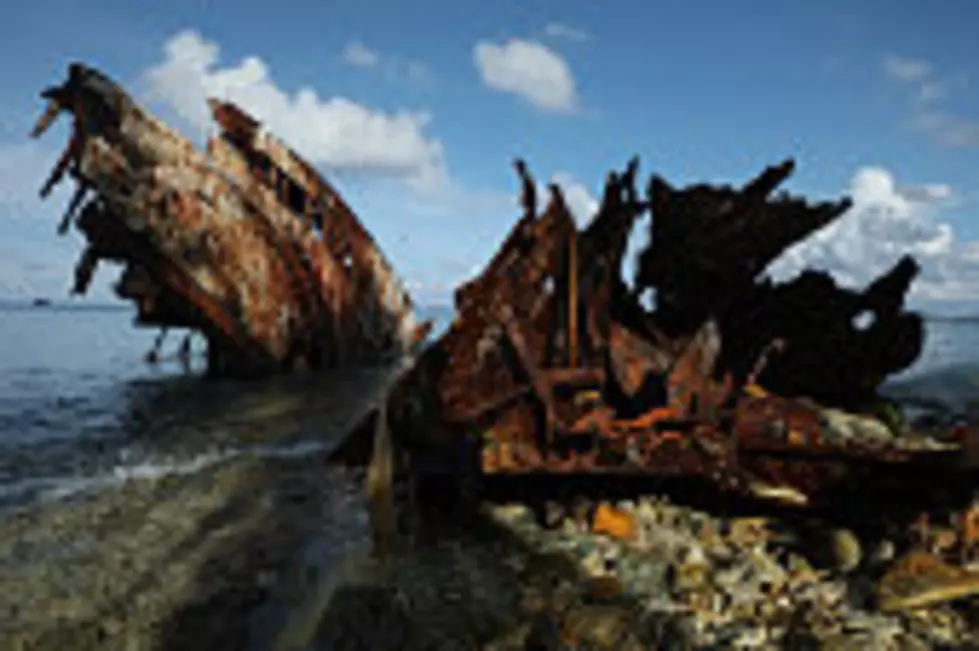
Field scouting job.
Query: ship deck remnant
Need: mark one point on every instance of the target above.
(244, 242)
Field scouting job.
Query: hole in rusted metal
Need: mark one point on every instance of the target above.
(648, 299)
(864, 320)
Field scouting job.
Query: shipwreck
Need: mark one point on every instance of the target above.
(244, 242)
(554, 371)
(556, 377)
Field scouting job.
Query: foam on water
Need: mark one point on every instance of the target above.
(64, 487)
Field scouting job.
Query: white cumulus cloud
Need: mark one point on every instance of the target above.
(886, 221)
(529, 70)
(335, 132)
(581, 202)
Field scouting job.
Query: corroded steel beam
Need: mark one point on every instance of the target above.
(243, 242)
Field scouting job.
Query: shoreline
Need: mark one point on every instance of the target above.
(254, 552)
(260, 553)
(169, 562)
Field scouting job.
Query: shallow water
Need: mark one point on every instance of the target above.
(114, 474)
(947, 374)
(80, 411)
(128, 490)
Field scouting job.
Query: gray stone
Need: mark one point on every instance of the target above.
(754, 637)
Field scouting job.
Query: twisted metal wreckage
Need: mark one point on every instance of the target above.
(552, 366)
(555, 366)
(245, 243)
(553, 372)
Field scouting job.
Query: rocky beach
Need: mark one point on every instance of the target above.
(646, 573)
(650, 572)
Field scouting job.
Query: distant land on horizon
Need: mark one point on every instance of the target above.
(49, 304)
(84, 304)
(440, 309)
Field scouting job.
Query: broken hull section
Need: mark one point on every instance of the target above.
(244, 242)
(553, 376)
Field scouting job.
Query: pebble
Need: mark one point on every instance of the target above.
(553, 515)
(751, 638)
(846, 549)
(735, 583)
(513, 515)
(883, 553)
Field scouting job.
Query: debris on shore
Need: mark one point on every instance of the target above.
(245, 243)
(553, 369)
(808, 512)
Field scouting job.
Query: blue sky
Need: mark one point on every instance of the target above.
(420, 107)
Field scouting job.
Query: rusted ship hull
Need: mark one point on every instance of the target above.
(553, 371)
(244, 242)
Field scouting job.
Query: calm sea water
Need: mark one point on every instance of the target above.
(79, 409)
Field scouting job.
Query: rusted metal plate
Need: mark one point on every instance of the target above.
(244, 242)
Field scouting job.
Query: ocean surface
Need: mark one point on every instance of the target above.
(81, 410)
(128, 491)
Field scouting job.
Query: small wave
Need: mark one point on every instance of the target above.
(64, 487)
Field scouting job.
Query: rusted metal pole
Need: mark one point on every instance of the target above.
(573, 299)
